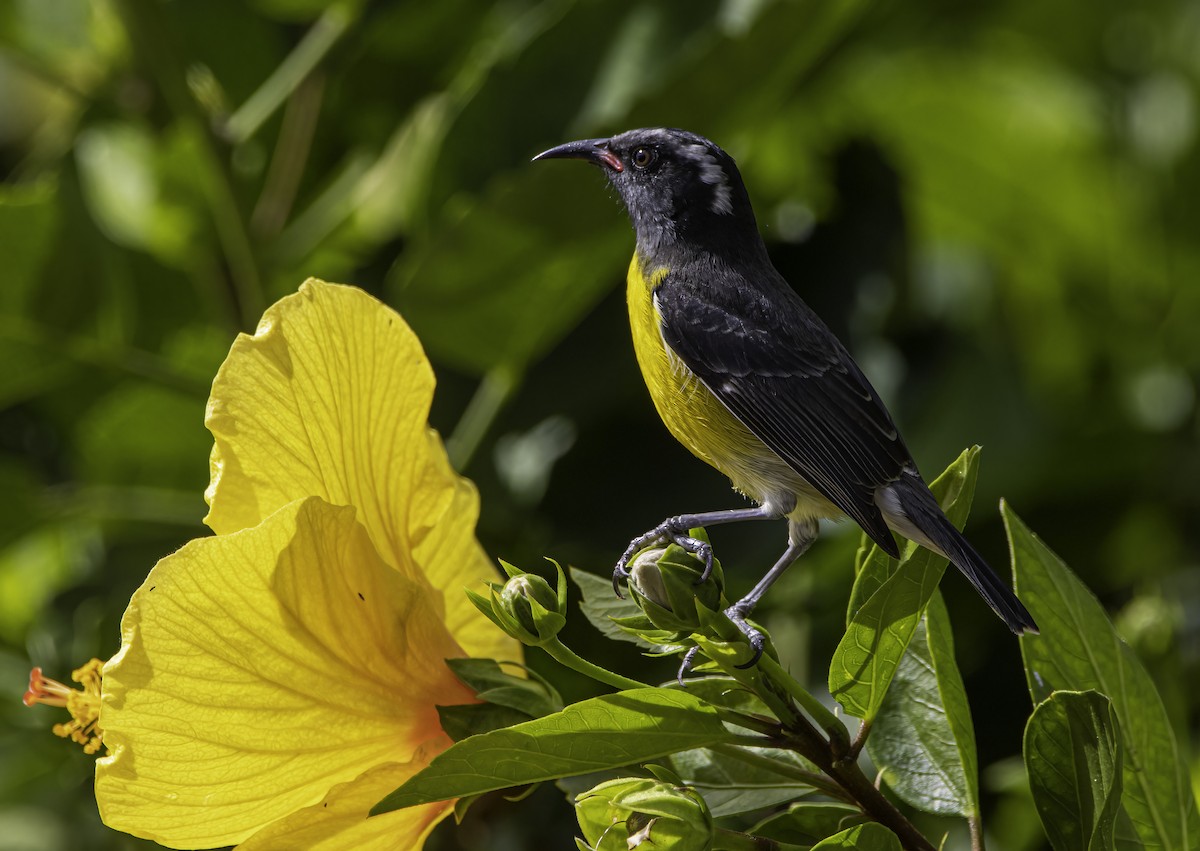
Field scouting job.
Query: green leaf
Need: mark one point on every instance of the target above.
(600, 606)
(923, 740)
(728, 70)
(615, 730)
(41, 564)
(731, 785)
(1073, 755)
(28, 217)
(491, 683)
(1078, 650)
(808, 824)
(512, 272)
(928, 97)
(528, 696)
(725, 692)
(122, 172)
(479, 674)
(24, 507)
(863, 837)
(472, 719)
(888, 599)
(33, 365)
(116, 449)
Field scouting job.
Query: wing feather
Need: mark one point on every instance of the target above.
(777, 368)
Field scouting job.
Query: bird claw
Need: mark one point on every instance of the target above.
(757, 640)
(672, 530)
(620, 574)
(701, 550)
(685, 667)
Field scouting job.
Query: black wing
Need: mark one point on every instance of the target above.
(787, 378)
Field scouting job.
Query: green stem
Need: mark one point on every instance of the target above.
(838, 736)
(859, 790)
(729, 655)
(321, 216)
(287, 77)
(975, 824)
(287, 163)
(778, 690)
(564, 655)
(770, 729)
(766, 680)
(494, 391)
(773, 685)
(860, 740)
(872, 801)
(235, 242)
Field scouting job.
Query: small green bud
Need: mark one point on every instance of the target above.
(526, 607)
(632, 813)
(663, 582)
(522, 594)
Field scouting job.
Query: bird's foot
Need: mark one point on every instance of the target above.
(685, 667)
(673, 530)
(737, 613)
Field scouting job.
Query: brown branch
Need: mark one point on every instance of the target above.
(845, 771)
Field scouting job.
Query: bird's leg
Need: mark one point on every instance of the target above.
(800, 538)
(675, 530)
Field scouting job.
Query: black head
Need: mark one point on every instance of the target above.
(679, 188)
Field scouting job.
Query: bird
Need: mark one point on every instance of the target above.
(748, 378)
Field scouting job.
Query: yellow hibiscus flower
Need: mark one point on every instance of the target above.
(279, 678)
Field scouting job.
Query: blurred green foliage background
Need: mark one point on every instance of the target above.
(997, 205)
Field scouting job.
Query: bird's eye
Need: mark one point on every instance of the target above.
(642, 157)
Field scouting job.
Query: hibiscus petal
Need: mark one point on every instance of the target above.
(330, 397)
(340, 821)
(259, 669)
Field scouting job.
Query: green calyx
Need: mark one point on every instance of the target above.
(631, 813)
(667, 585)
(525, 606)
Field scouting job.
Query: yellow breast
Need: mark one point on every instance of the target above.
(697, 418)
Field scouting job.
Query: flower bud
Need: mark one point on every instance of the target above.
(663, 582)
(526, 607)
(632, 813)
(530, 599)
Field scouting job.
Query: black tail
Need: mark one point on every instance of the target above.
(923, 512)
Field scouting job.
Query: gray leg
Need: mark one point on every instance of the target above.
(675, 530)
(800, 538)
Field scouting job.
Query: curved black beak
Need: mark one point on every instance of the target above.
(595, 151)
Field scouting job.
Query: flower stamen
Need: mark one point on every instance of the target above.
(83, 703)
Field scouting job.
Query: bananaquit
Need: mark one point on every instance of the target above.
(749, 379)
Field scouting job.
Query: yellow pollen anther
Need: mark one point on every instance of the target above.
(83, 703)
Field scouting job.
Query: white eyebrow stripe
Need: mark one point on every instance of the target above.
(713, 174)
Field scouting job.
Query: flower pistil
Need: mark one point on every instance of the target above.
(83, 703)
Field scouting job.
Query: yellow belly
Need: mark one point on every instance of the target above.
(700, 422)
